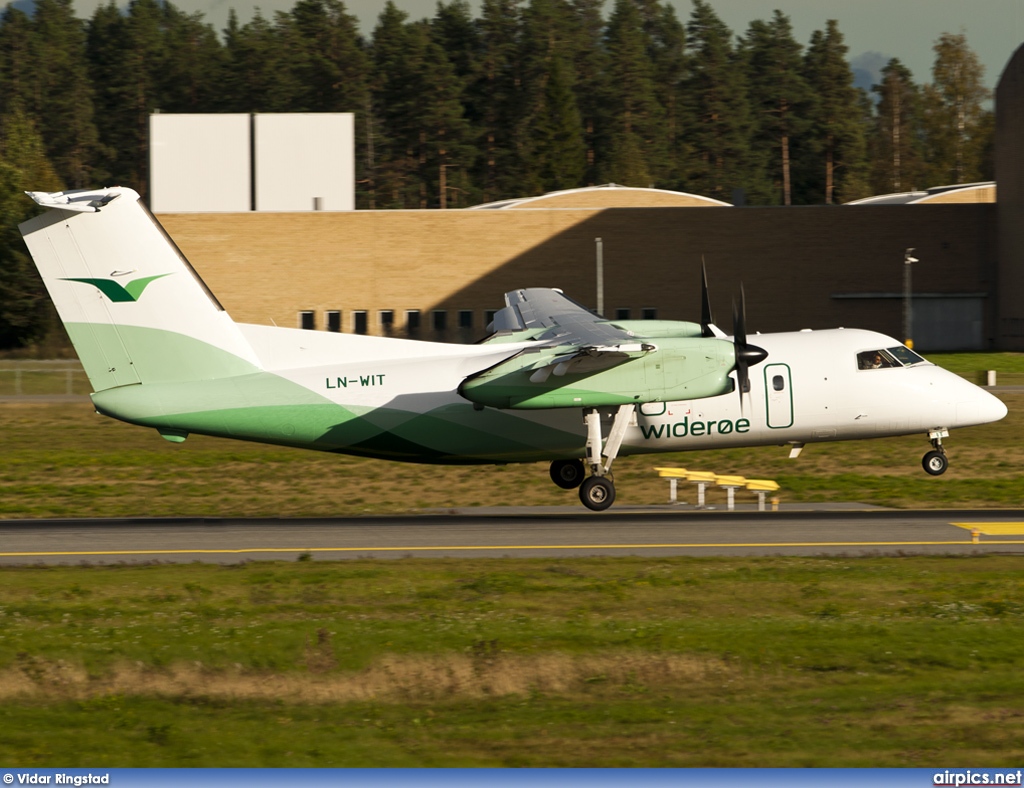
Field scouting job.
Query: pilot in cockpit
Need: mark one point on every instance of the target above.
(870, 359)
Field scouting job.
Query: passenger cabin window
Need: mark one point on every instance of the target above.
(778, 383)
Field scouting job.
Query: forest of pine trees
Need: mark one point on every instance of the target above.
(528, 97)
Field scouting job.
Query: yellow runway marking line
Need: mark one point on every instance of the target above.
(994, 529)
(438, 548)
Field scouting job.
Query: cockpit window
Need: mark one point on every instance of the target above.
(875, 359)
(899, 356)
(905, 355)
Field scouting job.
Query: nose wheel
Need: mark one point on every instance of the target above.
(935, 462)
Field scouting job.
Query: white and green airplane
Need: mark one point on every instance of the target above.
(553, 382)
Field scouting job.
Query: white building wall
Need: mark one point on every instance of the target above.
(305, 161)
(200, 163)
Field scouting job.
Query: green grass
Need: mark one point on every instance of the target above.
(63, 460)
(516, 662)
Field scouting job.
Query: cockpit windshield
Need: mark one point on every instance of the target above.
(883, 358)
(905, 355)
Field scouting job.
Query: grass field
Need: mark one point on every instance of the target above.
(63, 460)
(516, 662)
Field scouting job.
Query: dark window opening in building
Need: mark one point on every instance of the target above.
(465, 318)
(439, 318)
(412, 322)
(489, 316)
(387, 322)
(307, 320)
(359, 321)
(649, 313)
(623, 314)
(334, 320)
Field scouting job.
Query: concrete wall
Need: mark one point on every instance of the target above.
(1010, 207)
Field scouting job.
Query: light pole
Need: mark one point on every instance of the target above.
(599, 253)
(908, 315)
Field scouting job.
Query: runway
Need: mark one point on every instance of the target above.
(521, 532)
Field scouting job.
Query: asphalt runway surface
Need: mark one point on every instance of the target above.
(550, 532)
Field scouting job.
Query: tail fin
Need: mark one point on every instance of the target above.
(135, 309)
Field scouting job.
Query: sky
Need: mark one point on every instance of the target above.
(875, 30)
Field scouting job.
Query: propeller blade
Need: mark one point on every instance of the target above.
(746, 355)
(705, 303)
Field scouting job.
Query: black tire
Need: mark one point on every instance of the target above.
(568, 474)
(935, 463)
(597, 493)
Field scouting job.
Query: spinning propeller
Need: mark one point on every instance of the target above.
(746, 354)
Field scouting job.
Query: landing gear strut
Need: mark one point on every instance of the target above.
(935, 461)
(598, 491)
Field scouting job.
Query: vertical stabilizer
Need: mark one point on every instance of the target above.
(134, 307)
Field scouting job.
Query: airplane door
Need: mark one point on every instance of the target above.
(778, 386)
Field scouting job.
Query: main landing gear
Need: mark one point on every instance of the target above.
(935, 461)
(597, 492)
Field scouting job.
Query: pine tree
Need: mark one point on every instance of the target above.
(559, 150)
(719, 112)
(193, 74)
(834, 158)
(334, 69)
(895, 144)
(496, 101)
(550, 136)
(779, 96)
(954, 112)
(16, 83)
(447, 153)
(666, 49)
(636, 145)
(589, 60)
(456, 33)
(127, 59)
(62, 96)
(25, 314)
(393, 172)
(263, 61)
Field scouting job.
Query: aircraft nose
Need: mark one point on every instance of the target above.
(982, 408)
(992, 408)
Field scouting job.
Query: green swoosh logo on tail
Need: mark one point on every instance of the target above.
(115, 292)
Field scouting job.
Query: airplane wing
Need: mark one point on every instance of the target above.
(587, 342)
(580, 359)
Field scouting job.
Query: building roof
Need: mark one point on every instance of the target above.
(609, 195)
(955, 193)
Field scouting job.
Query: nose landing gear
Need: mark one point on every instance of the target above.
(935, 461)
